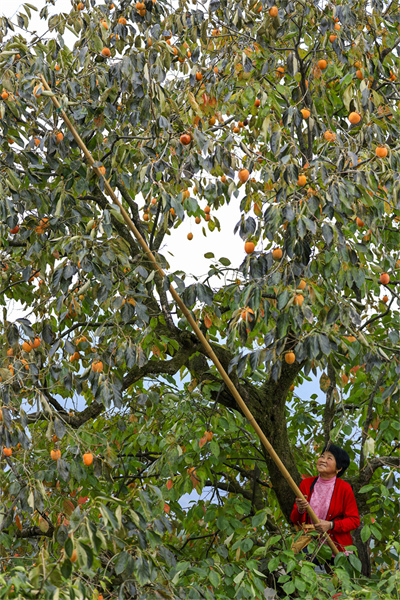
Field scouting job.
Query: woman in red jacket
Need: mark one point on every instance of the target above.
(331, 498)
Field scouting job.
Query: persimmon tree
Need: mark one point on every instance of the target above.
(111, 410)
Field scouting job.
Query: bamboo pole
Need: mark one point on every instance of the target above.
(227, 380)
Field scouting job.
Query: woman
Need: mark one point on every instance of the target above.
(331, 498)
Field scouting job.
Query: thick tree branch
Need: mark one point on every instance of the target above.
(376, 463)
(158, 367)
(75, 420)
(34, 531)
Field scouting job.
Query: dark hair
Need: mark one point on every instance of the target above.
(341, 457)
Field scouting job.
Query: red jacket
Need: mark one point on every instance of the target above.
(342, 510)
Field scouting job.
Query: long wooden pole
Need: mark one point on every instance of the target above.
(227, 380)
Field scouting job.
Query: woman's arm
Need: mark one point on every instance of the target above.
(351, 518)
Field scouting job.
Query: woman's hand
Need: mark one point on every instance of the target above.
(302, 504)
(323, 526)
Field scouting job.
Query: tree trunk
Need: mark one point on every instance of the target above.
(363, 551)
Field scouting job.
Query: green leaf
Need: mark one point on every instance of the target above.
(214, 578)
(273, 564)
(289, 587)
(366, 488)
(121, 562)
(365, 533)
(239, 577)
(259, 518)
(355, 562)
(225, 261)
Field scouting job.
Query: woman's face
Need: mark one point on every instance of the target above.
(326, 465)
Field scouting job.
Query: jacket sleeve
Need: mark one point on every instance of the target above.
(351, 518)
(297, 517)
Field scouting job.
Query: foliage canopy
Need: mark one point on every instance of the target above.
(293, 117)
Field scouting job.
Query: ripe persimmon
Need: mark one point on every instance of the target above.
(80, 6)
(55, 454)
(257, 102)
(36, 343)
(122, 21)
(354, 118)
(243, 175)
(305, 112)
(359, 222)
(59, 137)
(14, 230)
(301, 285)
(190, 236)
(249, 247)
(322, 64)
(277, 254)
(102, 170)
(106, 52)
(384, 278)
(4, 95)
(302, 180)
(290, 357)
(197, 220)
(359, 74)
(381, 151)
(273, 11)
(185, 139)
(298, 299)
(26, 347)
(329, 136)
(88, 458)
(199, 76)
(97, 366)
(74, 556)
(7, 451)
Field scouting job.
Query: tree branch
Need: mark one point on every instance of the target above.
(34, 531)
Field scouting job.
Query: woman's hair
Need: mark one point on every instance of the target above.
(341, 457)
